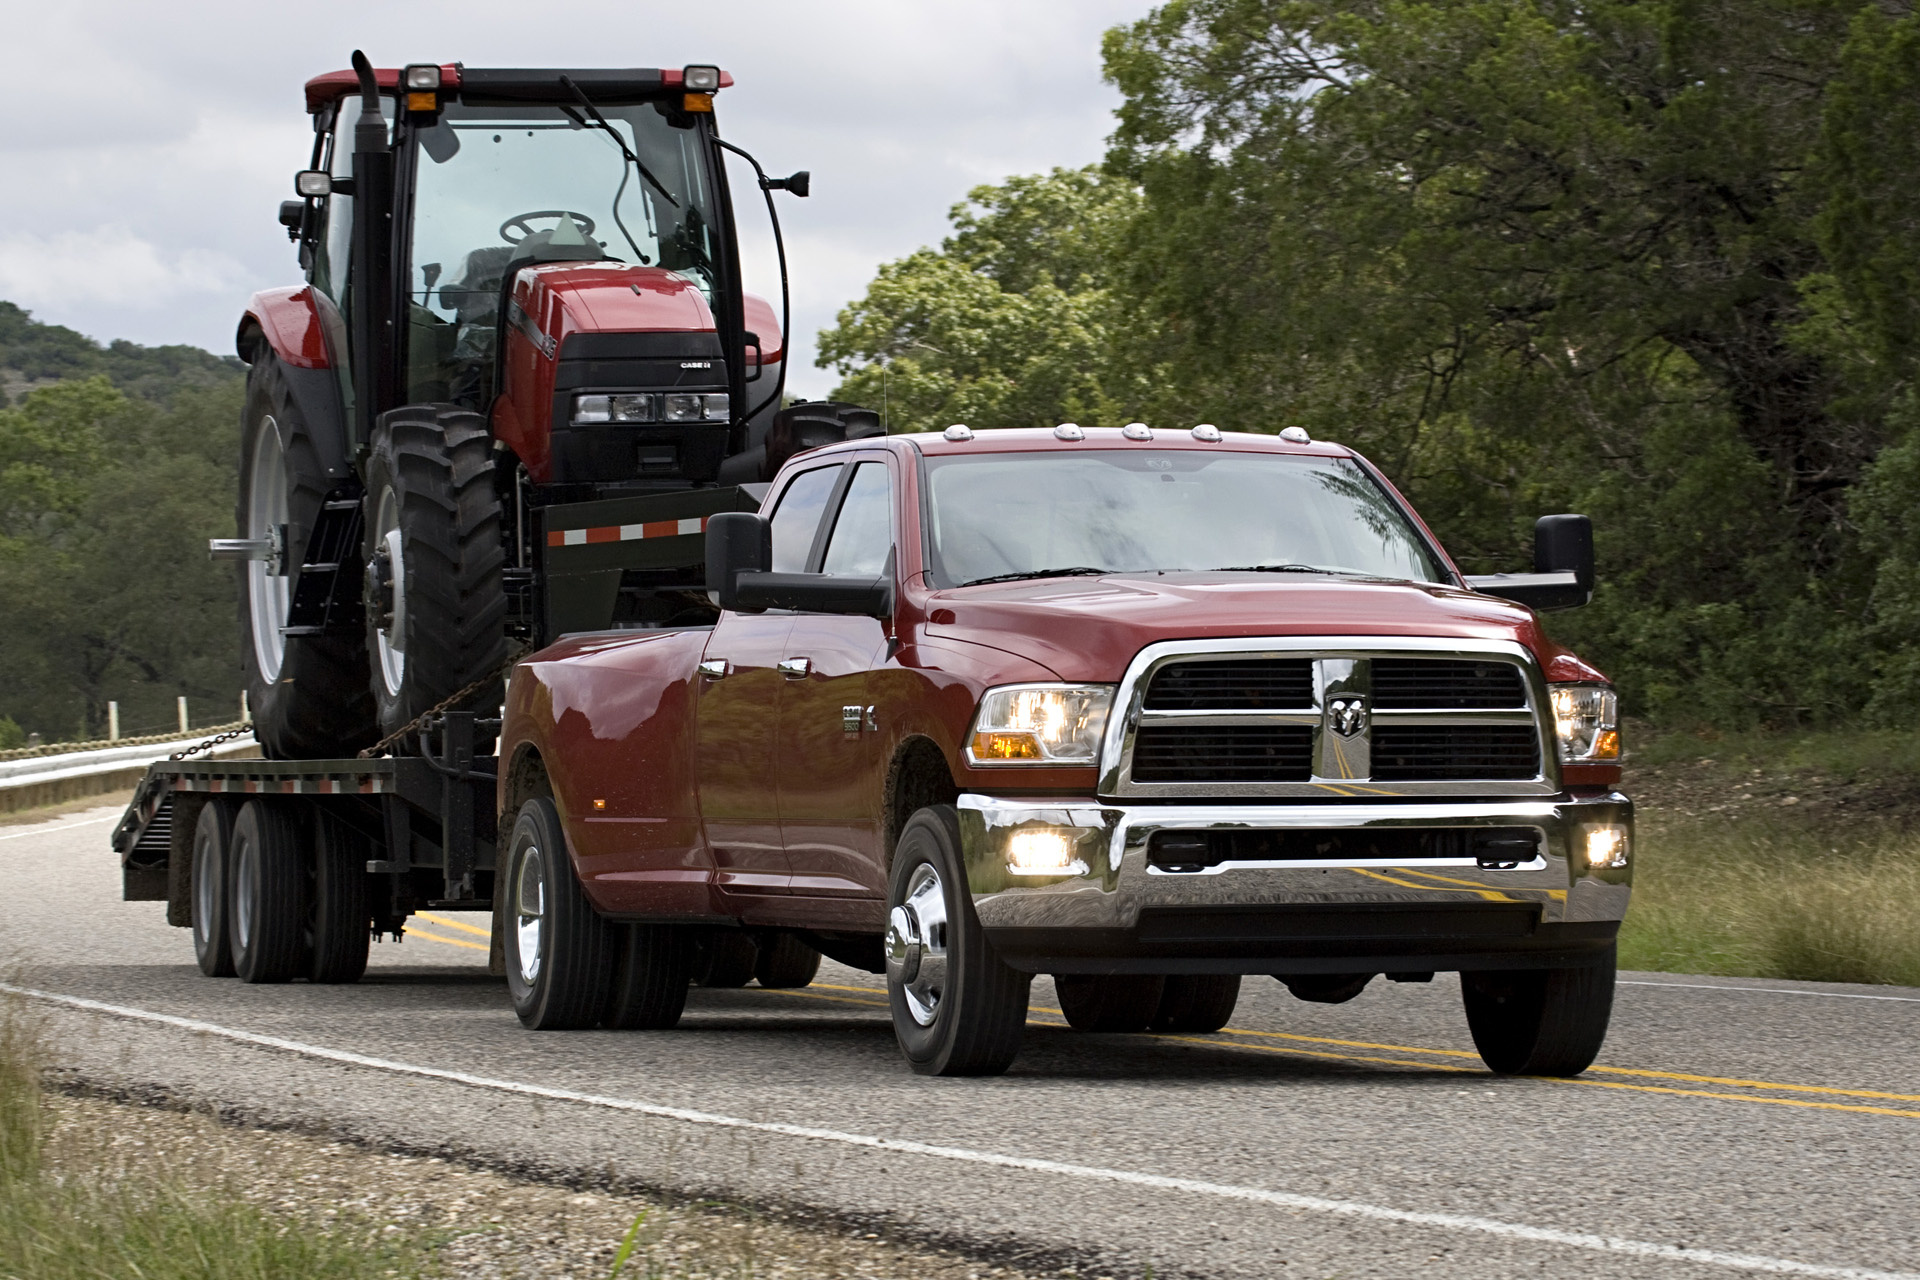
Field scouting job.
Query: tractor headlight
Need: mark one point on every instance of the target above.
(699, 79)
(613, 409)
(423, 77)
(719, 407)
(1059, 724)
(1586, 723)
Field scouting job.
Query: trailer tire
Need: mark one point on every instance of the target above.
(340, 916)
(559, 949)
(267, 887)
(436, 604)
(648, 991)
(958, 1008)
(1196, 1003)
(1539, 1022)
(786, 963)
(212, 838)
(1109, 1001)
(308, 694)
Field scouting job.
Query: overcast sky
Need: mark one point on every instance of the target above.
(146, 146)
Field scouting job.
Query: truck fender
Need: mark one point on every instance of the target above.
(302, 327)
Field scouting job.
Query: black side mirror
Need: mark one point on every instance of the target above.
(1562, 576)
(737, 542)
(799, 184)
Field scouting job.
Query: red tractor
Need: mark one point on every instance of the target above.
(523, 327)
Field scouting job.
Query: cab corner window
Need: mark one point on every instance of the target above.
(797, 518)
(863, 531)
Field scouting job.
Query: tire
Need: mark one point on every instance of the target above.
(725, 958)
(340, 916)
(958, 1009)
(560, 951)
(1109, 1002)
(648, 987)
(1197, 1003)
(267, 887)
(435, 603)
(786, 963)
(1325, 988)
(1539, 1022)
(212, 838)
(308, 694)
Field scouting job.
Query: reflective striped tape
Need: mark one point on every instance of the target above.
(626, 532)
(343, 785)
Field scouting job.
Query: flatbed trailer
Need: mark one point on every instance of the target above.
(423, 825)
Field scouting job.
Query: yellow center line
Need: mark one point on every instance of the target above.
(1490, 895)
(448, 942)
(461, 925)
(1560, 894)
(1738, 1097)
(1314, 1053)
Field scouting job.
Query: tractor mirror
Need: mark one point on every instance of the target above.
(313, 184)
(737, 542)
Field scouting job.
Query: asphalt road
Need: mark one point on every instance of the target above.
(1733, 1126)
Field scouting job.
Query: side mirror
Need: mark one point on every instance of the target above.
(737, 542)
(1562, 576)
(291, 211)
(800, 184)
(313, 184)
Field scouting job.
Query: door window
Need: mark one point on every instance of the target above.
(863, 531)
(797, 518)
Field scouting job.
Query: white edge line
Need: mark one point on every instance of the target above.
(964, 1155)
(1767, 991)
(47, 831)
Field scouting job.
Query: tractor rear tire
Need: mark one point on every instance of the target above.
(308, 694)
(436, 604)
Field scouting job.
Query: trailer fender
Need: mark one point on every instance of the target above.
(302, 328)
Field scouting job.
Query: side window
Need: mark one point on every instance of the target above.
(798, 516)
(863, 531)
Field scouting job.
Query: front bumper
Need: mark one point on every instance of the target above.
(1113, 913)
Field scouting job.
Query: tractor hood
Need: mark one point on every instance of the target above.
(1089, 629)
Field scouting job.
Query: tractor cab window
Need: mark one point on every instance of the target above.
(497, 187)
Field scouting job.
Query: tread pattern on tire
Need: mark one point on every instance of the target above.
(570, 992)
(321, 705)
(439, 460)
(277, 949)
(648, 988)
(340, 914)
(212, 843)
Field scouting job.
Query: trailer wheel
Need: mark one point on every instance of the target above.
(267, 887)
(725, 958)
(212, 838)
(648, 991)
(340, 916)
(435, 603)
(308, 694)
(1197, 1003)
(559, 950)
(958, 1009)
(786, 962)
(1109, 1002)
(1539, 1022)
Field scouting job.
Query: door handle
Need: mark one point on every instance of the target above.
(796, 668)
(716, 668)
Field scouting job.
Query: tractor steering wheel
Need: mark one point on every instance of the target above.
(523, 222)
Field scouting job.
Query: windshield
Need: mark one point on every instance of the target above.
(495, 186)
(1125, 511)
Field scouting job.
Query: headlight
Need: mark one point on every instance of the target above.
(1040, 724)
(613, 409)
(1586, 721)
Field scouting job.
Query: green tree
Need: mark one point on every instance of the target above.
(1008, 323)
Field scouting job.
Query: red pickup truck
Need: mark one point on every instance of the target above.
(1144, 710)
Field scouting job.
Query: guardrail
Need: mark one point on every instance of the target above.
(56, 778)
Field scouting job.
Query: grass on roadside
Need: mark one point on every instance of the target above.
(88, 1223)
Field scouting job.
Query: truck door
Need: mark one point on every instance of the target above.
(828, 788)
(739, 703)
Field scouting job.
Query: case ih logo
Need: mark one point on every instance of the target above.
(1347, 716)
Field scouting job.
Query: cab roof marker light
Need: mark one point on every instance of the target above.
(1137, 431)
(1207, 433)
(1296, 435)
(1069, 431)
(959, 433)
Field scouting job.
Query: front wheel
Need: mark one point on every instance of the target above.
(559, 951)
(1540, 1022)
(958, 1009)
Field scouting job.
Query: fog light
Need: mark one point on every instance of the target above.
(1043, 852)
(1607, 846)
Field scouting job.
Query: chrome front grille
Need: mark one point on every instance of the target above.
(1416, 717)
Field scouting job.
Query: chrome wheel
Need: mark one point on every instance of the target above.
(388, 578)
(267, 584)
(530, 912)
(916, 944)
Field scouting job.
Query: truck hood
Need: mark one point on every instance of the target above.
(1090, 628)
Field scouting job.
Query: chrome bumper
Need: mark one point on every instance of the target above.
(1112, 912)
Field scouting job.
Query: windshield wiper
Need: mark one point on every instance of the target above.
(1077, 571)
(1279, 568)
(586, 104)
